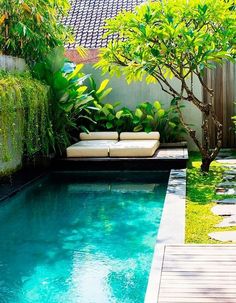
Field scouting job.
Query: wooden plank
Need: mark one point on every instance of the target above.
(199, 280)
(197, 300)
(198, 274)
(197, 258)
(191, 287)
(214, 264)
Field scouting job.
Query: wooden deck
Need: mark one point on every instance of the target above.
(198, 274)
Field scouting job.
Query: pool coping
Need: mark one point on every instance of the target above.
(171, 230)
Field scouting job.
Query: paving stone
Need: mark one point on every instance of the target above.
(229, 177)
(226, 201)
(224, 210)
(224, 236)
(227, 184)
(227, 222)
(227, 161)
(226, 191)
(230, 172)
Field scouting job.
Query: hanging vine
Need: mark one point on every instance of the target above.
(24, 121)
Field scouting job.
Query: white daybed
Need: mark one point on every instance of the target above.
(105, 144)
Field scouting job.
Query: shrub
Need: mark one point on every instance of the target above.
(70, 97)
(146, 117)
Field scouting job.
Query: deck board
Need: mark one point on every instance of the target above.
(198, 274)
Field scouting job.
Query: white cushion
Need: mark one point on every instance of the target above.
(99, 136)
(88, 149)
(140, 136)
(96, 142)
(134, 148)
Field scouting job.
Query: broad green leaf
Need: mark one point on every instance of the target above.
(138, 113)
(161, 113)
(103, 86)
(119, 114)
(109, 125)
(157, 105)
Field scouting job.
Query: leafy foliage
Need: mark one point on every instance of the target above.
(23, 114)
(69, 97)
(146, 117)
(29, 28)
(165, 39)
(176, 37)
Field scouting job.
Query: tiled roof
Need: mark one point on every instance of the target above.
(86, 18)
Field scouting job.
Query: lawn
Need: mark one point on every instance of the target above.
(200, 199)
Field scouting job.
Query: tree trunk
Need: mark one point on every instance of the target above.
(205, 166)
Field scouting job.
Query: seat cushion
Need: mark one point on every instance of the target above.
(134, 148)
(99, 136)
(140, 136)
(90, 149)
(96, 142)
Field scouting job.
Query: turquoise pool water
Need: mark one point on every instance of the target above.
(80, 238)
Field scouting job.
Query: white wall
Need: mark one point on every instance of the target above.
(135, 93)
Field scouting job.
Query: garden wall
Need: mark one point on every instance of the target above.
(135, 93)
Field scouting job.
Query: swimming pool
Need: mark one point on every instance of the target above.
(81, 238)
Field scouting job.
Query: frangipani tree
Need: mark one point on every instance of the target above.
(170, 38)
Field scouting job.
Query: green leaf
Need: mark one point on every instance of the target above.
(172, 125)
(138, 113)
(109, 125)
(119, 114)
(103, 86)
(157, 105)
(105, 93)
(138, 128)
(142, 28)
(161, 113)
(60, 82)
(155, 52)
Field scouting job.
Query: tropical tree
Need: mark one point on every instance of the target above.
(180, 39)
(30, 28)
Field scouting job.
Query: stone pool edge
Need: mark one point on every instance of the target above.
(171, 230)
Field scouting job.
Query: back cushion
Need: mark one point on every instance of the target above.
(140, 136)
(99, 136)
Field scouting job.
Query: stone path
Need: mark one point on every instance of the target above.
(226, 207)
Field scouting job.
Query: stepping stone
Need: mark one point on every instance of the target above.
(227, 184)
(227, 161)
(229, 178)
(230, 172)
(226, 201)
(226, 191)
(227, 222)
(224, 236)
(224, 210)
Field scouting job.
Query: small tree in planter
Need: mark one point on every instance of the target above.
(29, 29)
(169, 38)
